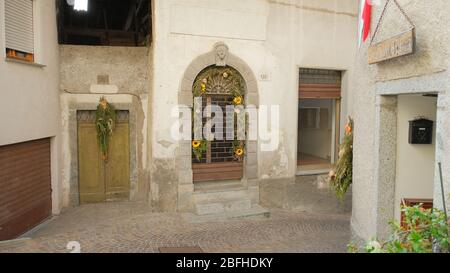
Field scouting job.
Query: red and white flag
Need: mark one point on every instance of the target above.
(364, 23)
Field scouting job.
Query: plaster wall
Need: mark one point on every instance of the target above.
(29, 103)
(374, 91)
(274, 38)
(125, 67)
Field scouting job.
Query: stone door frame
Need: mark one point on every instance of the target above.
(386, 114)
(91, 105)
(221, 57)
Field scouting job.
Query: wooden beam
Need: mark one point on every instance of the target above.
(131, 15)
(97, 32)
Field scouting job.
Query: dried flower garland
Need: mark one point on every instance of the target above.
(229, 77)
(105, 122)
(341, 176)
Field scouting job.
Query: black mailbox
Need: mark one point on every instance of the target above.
(421, 131)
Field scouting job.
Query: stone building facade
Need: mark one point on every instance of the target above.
(268, 41)
(387, 95)
(30, 134)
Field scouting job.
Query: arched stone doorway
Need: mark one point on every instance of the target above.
(219, 57)
(218, 154)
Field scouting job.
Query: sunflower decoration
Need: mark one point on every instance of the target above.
(105, 123)
(198, 148)
(238, 150)
(200, 86)
(203, 85)
(238, 100)
(341, 175)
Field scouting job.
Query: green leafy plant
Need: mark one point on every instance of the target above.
(423, 231)
(341, 176)
(105, 122)
(198, 148)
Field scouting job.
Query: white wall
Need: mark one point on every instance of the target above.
(415, 163)
(272, 36)
(29, 101)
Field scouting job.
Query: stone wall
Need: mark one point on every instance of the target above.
(273, 38)
(374, 93)
(310, 194)
(122, 75)
(85, 68)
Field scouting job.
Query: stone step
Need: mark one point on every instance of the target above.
(219, 196)
(15, 243)
(223, 206)
(255, 211)
(218, 186)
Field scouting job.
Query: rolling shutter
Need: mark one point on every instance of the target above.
(19, 25)
(319, 84)
(25, 187)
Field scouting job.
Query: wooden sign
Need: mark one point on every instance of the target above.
(394, 47)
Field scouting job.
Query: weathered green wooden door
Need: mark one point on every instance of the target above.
(101, 181)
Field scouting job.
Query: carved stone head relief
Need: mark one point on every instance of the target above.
(221, 51)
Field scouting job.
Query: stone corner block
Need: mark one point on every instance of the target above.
(184, 163)
(185, 177)
(186, 98)
(185, 150)
(253, 183)
(251, 158)
(251, 171)
(253, 99)
(252, 146)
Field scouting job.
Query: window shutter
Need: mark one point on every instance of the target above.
(319, 84)
(19, 25)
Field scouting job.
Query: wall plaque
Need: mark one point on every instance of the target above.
(397, 46)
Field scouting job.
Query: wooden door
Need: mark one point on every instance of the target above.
(117, 170)
(91, 175)
(101, 181)
(25, 187)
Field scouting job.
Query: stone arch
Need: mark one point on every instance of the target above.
(185, 97)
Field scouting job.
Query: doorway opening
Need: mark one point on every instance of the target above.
(219, 161)
(318, 120)
(416, 151)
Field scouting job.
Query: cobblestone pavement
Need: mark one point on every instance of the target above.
(130, 227)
